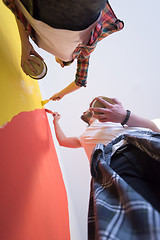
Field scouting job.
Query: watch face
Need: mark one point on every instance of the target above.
(95, 103)
(40, 68)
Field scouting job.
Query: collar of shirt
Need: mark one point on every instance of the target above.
(107, 25)
(84, 51)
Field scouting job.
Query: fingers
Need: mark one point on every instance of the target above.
(99, 110)
(56, 115)
(115, 100)
(55, 98)
(27, 61)
(103, 120)
(30, 64)
(27, 58)
(33, 52)
(102, 114)
(33, 60)
(101, 117)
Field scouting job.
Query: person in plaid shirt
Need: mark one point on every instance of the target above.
(106, 24)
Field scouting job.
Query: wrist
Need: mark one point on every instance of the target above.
(62, 93)
(128, 113)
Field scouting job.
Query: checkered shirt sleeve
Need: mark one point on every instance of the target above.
(107, 25)
(82, 71)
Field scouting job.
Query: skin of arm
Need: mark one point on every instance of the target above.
(137, 121)
(70, 88)
(27, 48)
(81, 78)
(70, 142)
(116, 113)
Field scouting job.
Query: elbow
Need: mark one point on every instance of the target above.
(61, 143)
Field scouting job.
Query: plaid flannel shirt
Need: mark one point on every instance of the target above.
(116, 210)
(107, 25)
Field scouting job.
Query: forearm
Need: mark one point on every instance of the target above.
(23, 35)
(70, 142)
(116, 113)
(80, 80)
(59, 133)
(136, 121)
(70, 88)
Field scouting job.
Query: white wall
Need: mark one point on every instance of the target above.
(125, 65)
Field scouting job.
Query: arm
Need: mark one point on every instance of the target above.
(70, 88)
(81, 79)
(70, 142)
(22, 23)
(136, 121)
(27, 48)
(116, 113)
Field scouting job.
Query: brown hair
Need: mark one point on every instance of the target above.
(86, 116)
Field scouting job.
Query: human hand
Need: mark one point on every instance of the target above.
(111, 113)
(27, 51)
(57, 96)
(56, 117)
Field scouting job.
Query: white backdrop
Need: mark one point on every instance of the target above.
(125, 65)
